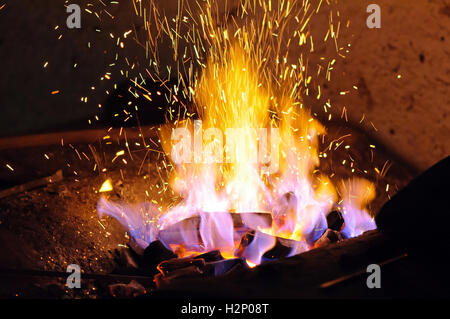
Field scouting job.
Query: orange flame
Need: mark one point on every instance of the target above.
(250, 83)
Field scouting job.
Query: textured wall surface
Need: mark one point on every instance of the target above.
(409, 113)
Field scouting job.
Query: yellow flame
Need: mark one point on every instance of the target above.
(250, 81)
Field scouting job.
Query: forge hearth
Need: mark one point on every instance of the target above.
(156, 258)
(51, 227)
(243, 149)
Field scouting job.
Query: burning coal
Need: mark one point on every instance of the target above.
(245, 89)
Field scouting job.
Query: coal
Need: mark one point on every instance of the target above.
(246, 240)
(328, 237)
(193, 267)
(222, 267)
(283, 247)
(169, 266)
(189, 227)
(239, 218)
(335, 221)
(126, 259)
(154, 254)
(280, 250)
(213, 255)
(136, 246)
(186, 272)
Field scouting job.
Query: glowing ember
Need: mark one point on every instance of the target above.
(249, 90)
(106, 187)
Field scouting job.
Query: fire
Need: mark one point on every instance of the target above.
(229, 95)
(268, 162)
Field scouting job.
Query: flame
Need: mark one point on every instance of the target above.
(356, 194)
(229, 95)
(240, 95)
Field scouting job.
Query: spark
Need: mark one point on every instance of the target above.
(106, 186)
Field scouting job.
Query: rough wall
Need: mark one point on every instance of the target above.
(409, 113)
(402, 72)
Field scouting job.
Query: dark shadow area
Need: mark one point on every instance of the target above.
(131, 106)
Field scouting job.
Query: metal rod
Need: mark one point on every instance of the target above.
(61, 274)
(342, 279)
(57, 177)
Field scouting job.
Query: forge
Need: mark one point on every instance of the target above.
(124, 254)
(219, 161)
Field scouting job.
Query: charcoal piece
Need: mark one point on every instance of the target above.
(240, 219)
(246, 240)
(128, 259)
(136, 246)
(187, 272)
(222, 267)
(154, 254)
(335, 221)
(280, 250)
(283, 247)
(237, 267)
(189, 227)
(125, 261)
(170, 266)
(328, 237)
(210, 256)
(178, 232)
